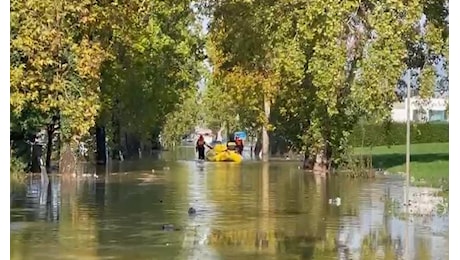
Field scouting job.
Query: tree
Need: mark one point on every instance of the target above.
(157, 61)
(428, 48)
(250, 52)
(218, 107)
(124, 63)
(325, 61)
(182, 120)
(55, 64)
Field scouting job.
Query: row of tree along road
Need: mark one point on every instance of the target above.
(118, 74)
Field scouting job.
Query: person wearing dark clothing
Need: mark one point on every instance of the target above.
(200, 147)
(231, 145)
(239, 145)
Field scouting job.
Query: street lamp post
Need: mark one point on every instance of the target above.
(408, 84)
(408, 119)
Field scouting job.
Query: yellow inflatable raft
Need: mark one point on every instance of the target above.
(221, 154)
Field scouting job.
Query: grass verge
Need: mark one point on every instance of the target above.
(429, 164)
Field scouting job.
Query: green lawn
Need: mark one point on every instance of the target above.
(429, 162)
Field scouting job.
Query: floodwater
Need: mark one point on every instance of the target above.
(247, 211)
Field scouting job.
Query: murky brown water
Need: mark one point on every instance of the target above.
(247, 211)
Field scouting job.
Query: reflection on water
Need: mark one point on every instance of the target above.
(247, 211)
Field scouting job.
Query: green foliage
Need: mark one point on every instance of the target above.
(429, 164)
(305, 70)
(218, 106)
(55, 62)
(17, 170)
(428, 45)
(322, 64)
(427, 81)
(251, 57)
(395, 134)
(156, 63)
(181, 121)
(125, 62)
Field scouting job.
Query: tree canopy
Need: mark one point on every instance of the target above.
(323, 65)
(124, 65)
(304, 70)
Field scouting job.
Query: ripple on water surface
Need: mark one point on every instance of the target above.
(247, 211)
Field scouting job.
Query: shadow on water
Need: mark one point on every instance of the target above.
(243, 211)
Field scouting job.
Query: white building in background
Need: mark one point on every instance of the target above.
(206, 132)
(431, 110)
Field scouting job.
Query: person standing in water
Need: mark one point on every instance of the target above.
(239, 145)
(200, 147)
(231, 144)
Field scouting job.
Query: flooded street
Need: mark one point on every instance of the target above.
(243, 211)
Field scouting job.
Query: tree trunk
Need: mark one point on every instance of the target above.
(59, 141)
(36, 156)
(321, 164)
(141, 148)
(127, 146)
(308, 161)
(265, 137)
(101, 158)
(49, 146)
(318, 162)
(116, 137)
(265, 144)
(323, 161)
(68, 160)
(227, 129)
(322, 157)
(258, 144)
(67, 156)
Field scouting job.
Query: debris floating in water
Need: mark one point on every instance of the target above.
(337, 201)
(191, 211)
(168, 227)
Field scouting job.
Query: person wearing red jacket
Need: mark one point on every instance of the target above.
(239, 145)
(200, 147)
